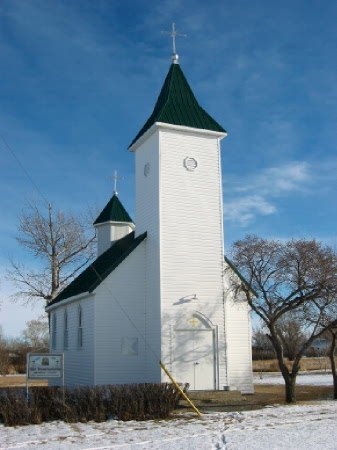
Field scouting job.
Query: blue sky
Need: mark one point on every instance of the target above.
(79, 78)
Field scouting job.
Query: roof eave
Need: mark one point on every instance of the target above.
(218, 134)
(122, 257)
(133, 147)
(65, 301)
(115, 222)
(160, 125)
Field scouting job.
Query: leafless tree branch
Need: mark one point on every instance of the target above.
(292, 287)
(61, 243)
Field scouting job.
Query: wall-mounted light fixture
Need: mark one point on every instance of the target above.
(186, 299)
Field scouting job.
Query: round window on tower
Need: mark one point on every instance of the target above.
(190, 163)
(147, 169)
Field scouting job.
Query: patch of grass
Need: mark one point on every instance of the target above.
(307, 364)
(19, 380)
(267, 394)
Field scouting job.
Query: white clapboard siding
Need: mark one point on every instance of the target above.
(191, 238)
(79, 361)
(120, 318)
(134, 318)
(147, 159)
(109, 232)
(238, 339)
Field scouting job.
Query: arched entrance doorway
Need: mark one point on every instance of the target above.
(194, 359)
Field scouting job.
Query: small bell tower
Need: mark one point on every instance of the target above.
(113, 223)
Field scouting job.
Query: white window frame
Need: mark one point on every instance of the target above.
(79, 327)
(65, 330)
(54, 331)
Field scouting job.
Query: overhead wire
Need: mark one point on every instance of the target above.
(24, 170)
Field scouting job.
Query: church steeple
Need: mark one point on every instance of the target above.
(112, 224)
(113, 211)
(177, 105)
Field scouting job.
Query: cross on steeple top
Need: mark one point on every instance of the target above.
(173, 35)
(115, 178)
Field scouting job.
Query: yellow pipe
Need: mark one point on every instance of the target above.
(179, 389)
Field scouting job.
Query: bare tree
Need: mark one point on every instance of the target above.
(63, 246)
(292, 335)
(37, 332)
(329, 325)
(4, 354)
(332, 355)
(260, 340)
(299, 276)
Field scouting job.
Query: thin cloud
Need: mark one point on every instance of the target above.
(258, 196)
(277, 181)
(244, 210)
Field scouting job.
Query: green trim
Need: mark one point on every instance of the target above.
(106, 263)
(177, 105)
(113, 211)
(242, 278)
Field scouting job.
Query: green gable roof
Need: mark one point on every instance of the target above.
(106, 263)
(177, 105)
(114, 211)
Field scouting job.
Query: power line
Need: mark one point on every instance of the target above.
(24, 169)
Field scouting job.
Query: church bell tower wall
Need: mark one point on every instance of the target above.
(109, 232)
(147, 159)
(179, 204)
(191, 239)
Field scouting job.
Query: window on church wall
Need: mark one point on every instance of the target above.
(80, 328)
(54, 330)
(65, 330)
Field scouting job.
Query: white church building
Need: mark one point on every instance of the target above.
(159, 289)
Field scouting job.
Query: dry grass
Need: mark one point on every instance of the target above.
(307, 364)
(20, 381)
(265, 395)
(274, 394)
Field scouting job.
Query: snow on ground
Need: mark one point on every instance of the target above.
(288, 427)
(303, 378)
(300, 427)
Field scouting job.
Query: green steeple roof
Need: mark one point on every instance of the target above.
(177, 105)
(114, 211)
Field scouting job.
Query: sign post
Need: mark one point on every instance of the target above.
(44, 365)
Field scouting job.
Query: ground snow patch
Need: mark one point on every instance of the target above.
(292, 427)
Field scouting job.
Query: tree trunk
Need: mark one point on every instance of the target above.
(289, 377)
(333, 362)
(290, 381)
(290, 390)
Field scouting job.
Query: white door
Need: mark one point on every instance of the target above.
(194, 358)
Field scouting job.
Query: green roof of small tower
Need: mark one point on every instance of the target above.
(177, 105)
(114, 211)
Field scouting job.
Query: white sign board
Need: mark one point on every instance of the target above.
(44, 365)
